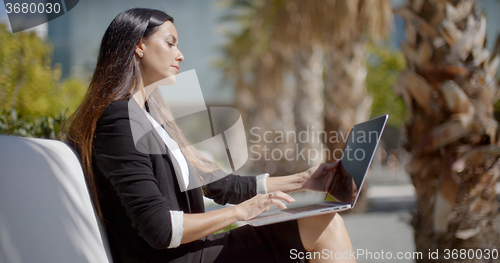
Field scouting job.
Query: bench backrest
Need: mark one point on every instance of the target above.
(45, 210)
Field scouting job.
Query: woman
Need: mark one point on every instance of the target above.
(136, 193)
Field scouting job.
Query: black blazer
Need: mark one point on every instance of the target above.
(137, 187)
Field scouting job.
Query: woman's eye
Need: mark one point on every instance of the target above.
(170, 44)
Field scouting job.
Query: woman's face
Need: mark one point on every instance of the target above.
(159, 55)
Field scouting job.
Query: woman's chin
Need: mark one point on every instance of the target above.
(163, 80)
(169, 75)
(170, 79)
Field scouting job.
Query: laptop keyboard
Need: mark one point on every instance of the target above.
(306, 208)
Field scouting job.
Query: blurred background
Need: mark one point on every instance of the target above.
(320, 67)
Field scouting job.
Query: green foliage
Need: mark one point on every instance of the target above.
(13, 123)
(28, 82)
(33, 100)
(384, 66)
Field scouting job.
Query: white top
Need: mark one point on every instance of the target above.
(174, 149)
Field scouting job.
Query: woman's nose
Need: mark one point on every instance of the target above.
(180, 57)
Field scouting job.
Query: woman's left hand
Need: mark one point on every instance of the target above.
(320, 177)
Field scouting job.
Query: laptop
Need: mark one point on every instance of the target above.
(347, 180)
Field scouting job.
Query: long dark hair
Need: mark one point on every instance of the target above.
(116, 77)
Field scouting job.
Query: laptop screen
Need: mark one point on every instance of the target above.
(356, 158)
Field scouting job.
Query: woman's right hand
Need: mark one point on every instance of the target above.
(261, 203)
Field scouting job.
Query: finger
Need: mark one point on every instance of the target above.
(324, 167)
(282, 196)
(330, 166)
(278, 203)
(314, 168)
(321, 170)
(328, 181)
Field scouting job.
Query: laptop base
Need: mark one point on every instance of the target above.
(299, 212)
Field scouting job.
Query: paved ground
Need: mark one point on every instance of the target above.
(380, 232)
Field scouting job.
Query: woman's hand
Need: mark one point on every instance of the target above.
(261, 203)
(320, 177)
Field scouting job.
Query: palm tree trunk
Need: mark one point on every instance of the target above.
(298, 32)
(266, 104)
(285, 114)
(308, 72)
(346, 100)
(452, 135)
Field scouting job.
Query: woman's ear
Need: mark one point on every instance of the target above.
(139, 49)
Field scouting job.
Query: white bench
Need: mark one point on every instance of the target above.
(46, 215)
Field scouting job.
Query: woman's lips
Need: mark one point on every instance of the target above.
(176, 68)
